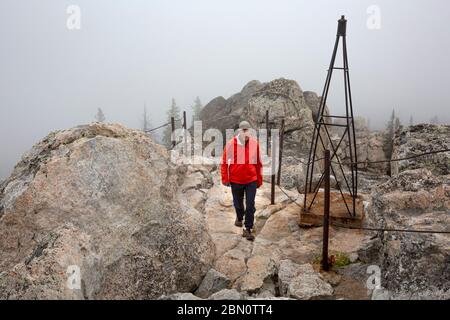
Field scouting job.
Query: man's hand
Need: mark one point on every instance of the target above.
(226, 184)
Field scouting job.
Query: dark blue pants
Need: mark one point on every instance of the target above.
(249, 190)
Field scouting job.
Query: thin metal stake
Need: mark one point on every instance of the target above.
(274, 169)
(172, 122)
(267, 130)
(281, 152)
(326, 212)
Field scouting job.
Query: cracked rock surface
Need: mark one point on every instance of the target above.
(108, 200)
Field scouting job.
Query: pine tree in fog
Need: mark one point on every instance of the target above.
(434, 120)
(397, 124)
(100, 116)
(196, 109)
(146, 124)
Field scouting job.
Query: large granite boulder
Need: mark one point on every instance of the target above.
(102, 203)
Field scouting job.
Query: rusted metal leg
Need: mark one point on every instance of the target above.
(326, 212)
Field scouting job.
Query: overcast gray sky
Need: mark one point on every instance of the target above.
(130, 52)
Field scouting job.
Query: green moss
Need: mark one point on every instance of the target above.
(339, 259)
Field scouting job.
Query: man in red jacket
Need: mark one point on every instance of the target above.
(242, 170)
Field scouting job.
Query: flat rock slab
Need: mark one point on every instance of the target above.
(309, 285)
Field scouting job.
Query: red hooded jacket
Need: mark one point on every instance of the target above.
(235, 169)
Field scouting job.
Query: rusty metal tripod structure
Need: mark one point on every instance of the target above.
(349, 132)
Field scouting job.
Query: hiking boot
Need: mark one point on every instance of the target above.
(238, 223)
(248, 234)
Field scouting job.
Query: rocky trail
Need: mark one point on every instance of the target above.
(283, 260)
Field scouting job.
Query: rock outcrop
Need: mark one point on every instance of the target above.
(284, 99)
(105, 204)
(370, 146)
(413, 265)
(213, 282)
(419, 139)
(416, 197)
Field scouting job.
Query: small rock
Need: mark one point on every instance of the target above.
(232, 264)
(226, 294)
(287, 271)
(213, 282)
(259, 270)
(331, 277)
(309, 285)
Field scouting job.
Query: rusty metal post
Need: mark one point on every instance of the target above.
(274, 170)
(326, 211)
(267, 130)
(172, 122)
(280, 156)
(184, 131)
(272, 188)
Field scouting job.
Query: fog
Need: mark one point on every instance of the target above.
(127, 53)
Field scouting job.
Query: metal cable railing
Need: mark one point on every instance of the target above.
(378, 229)
(335, 224)
(161, 126)
(393, 160)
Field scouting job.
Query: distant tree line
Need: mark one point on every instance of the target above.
(172, 111)
(175, 112)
